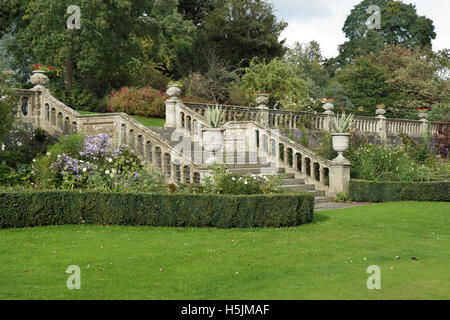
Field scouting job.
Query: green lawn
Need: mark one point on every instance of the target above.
(149, 122)
(327, 259)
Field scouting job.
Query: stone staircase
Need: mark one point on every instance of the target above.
(290, 182)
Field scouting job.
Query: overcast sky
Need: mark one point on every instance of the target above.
(322, 20)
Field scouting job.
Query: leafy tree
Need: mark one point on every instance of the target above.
(416, 75)
(116, 37)
(241, 30)
(195, 10)
(290, 92)
(365, 84)
(7, 103)
(309, 60)
(400, 24)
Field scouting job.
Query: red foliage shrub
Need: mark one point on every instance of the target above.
(442, 139)
(145, 102)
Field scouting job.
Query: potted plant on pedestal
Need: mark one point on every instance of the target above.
(213, 136)
(341, 128)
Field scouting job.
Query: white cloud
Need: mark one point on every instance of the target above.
(322, 20)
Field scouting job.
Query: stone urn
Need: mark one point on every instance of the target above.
(262, 101)
(212, 142)
(328, 107)
(174, 91)
(380, 112)
(340, 144)
(39, 79)
(423, 115)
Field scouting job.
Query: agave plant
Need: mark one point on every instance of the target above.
(214, 116)
(342, 124)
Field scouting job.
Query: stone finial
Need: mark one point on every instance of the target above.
(39, 79)
(262, 101)
(174, 91)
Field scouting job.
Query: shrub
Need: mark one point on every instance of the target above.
(145, 102)
(385, 162)
(38, 208)
(376, 191)
(441, 140)
(225, 182)
(77, 163)
(290, 91)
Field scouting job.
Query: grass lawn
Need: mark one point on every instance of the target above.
(149, 122)
(327, 259)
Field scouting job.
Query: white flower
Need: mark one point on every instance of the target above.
(3, 147)
(245, 182)
(234, 179)
(84, 169)
(49, 153)
(110, 160)
(107, 172)
(19, 144)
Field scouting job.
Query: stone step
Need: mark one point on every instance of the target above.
(291, 182)
(298, 187)
(248, 165)
(255, 171)
(322, 199)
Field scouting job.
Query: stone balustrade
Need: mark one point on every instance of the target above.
(40, 108)
(278, 119)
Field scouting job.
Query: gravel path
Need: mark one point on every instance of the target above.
(338, 205)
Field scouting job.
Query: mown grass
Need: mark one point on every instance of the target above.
(149, 122)
(327, 259)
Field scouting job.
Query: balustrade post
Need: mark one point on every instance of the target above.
(329, 114)
(423, 122)
(381, 123)
(262, 102)
(172, 106)
(339, 175)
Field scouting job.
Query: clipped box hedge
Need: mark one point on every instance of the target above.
(376, 191)
(39, 208)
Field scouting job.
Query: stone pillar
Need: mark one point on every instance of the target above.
(172, 106)
(262, 102)
(382, 127)
(328, 116)
(339, 177)
(381, 124)
(423, 122)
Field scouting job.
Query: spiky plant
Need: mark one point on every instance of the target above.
(214, 116)
(342, 124)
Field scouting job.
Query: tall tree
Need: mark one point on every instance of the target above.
(242, 29)
(400, 24)
(114, 35)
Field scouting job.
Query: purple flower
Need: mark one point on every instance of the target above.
(95, 146)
